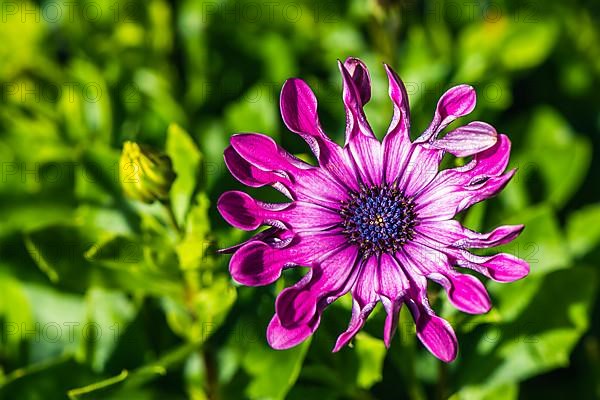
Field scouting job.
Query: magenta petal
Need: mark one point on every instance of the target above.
(393, 282)
(302, 215)
(252, 176)
(444, 202)
(478, 192)
(367, 154)
(357, 321)
(437, 336)
(396, 143)
(271, 235)
(456, 189)
(361, 77)
(468, 140)
(500, 267)
(490, 162)
(456, 102)
(366, 286)
(421, 169)
(364, 299)
(298, 106)
(499, 236)
(283, 337)
(452, 233)
(299, 111)
(397, 91)
(244, 212)
(435, 333)
(297, 304)
(241, 210)
(420, 257)
(325, 282)
(258, 159)
(262, 152)
(392, 309)
(393, 286)
(356, 121)
(258, 263)
(366, 150)
(465, 292)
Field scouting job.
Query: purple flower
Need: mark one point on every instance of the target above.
(374, 218)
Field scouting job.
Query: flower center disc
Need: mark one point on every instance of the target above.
(380, 219)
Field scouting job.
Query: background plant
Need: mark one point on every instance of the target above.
(108, 297)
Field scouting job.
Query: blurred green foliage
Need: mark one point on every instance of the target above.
(105, 297)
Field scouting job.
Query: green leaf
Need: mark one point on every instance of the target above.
(528, 44)
(509, 391)
(273, 372)
(109, 312)
(254, 112)
(186, 159)
(542, 243)
(75, 258)
(124, 384)
(25, 214)
(554, 161)
(371, 353)
(511, 299)
(15, 310)
(23, 40)
(58, 323)
(583, 229)
(193, 249)
(212, 303)
(198, 315)
(157, 89)
(116, 251)
(89, 108)
(539, 340)
(34, 194)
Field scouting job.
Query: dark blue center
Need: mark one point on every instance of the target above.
(379, 219)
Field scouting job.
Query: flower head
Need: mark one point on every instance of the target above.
(373, 218)
(146, 175)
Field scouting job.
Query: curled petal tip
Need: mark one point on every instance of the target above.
(361, 77)
(438, 336)
(338, 346)
(457, 102)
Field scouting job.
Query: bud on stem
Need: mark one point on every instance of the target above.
(145, 174)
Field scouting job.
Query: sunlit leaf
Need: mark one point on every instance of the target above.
(186, 160)
(540, 339)
(583, 229)
(370, 352)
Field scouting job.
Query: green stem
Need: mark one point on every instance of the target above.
(442, 386)
(211, 375)
(404, 359)
(191, 279)
(171, 219)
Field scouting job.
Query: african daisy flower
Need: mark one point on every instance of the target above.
(373, 218)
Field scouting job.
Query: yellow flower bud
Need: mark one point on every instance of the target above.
(145, 174)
